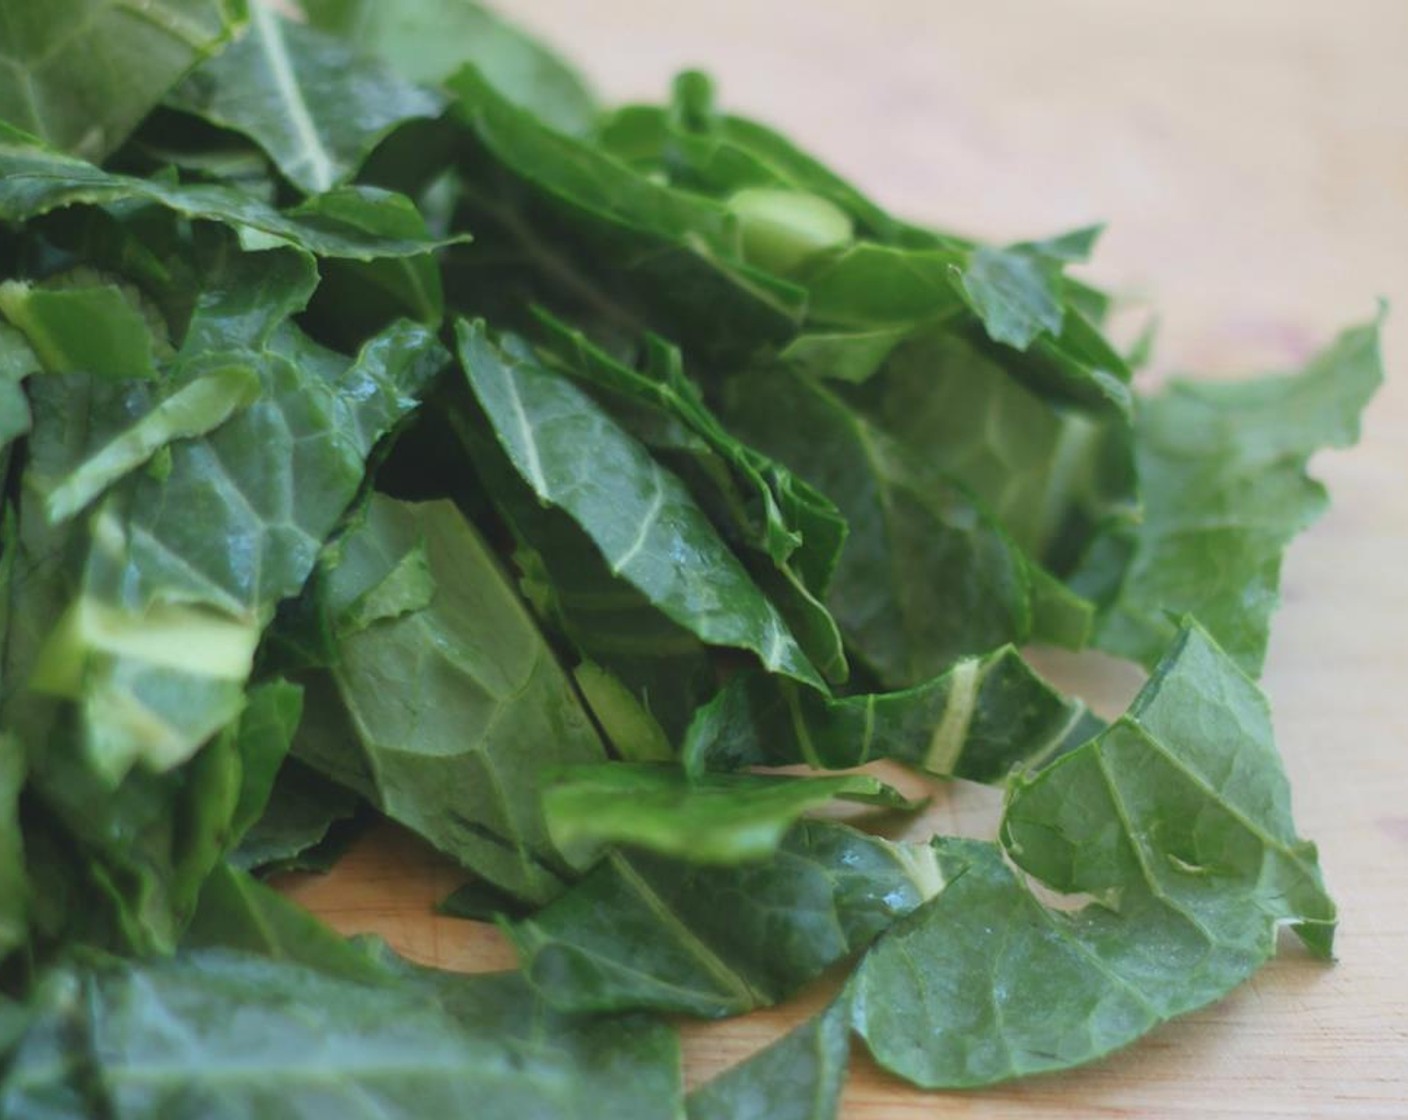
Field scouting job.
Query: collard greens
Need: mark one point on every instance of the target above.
(387, 430)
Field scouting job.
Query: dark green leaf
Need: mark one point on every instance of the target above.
(80, 75)
(869, 289)
(264, 734)
(958, 411)
(1061, 615)
(447, 717)
(710, 818)
(196, 409)
(1223, 467)
(36, 181)
(664, 671)
(798, 1077)
(478, 901)
(642, 519)
(652, 933)
(869, 286)
(298, 826)
(852, 356)
(925, 576)
(315, 106)
(216, 1034)
(92, 328)
(122, 867)
(979, 720)
(155, 640)
(1175, 822)
(1018, 292)
(237, 912)
(789, 535)
(359, 295)
(429, 40)
(1078, 368)
(1016, 298)
(590, 1067)
(588, 231)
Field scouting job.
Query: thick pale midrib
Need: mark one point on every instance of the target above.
(271, 41)
(776, 643)
(533, 462)
(79, 489)
(947, 742)
(727, 977)
(920, 864)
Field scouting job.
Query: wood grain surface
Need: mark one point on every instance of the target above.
(1251, 157)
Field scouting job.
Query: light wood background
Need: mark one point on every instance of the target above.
(1251, 157)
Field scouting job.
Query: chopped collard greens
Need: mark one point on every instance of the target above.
(390, 430)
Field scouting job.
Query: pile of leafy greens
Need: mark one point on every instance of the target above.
(389, 430)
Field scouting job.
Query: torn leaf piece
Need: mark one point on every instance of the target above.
(89, 328)
(647, 526)
(428, 40)
(798, 1077)
(275, 477)
(977, 721)
(1222, 466)
(304, 825)
(631, 729)
(715, 818)
(787, 534)
(448, 711)
(35, 181)
(198, 407)
(219, 1033)
(82, 74)
(315, 106)
(606, 621)
(1175, 821)
(926, 575)
(644, 932)
(160, 681)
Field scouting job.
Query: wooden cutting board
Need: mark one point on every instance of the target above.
(1252, 160)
